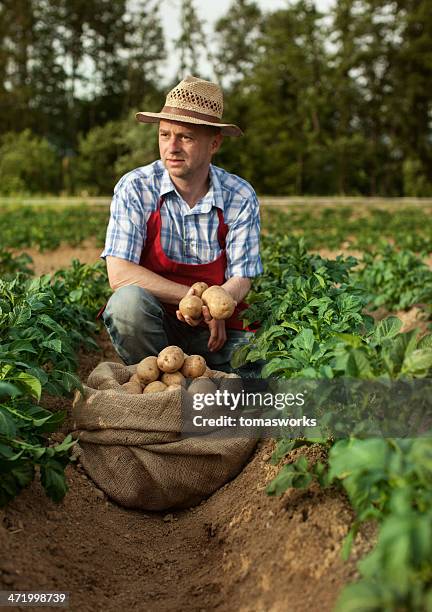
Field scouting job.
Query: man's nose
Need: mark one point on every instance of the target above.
(174, 143)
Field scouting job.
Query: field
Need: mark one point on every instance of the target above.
(293, 527)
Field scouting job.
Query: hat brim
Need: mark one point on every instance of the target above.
(227, 129)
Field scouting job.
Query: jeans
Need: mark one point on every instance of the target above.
(139, 326)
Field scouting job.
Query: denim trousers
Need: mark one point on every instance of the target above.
(139, 326)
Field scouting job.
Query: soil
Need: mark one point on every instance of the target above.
(238, 550)
(50, 261)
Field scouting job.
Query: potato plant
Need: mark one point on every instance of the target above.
(313, 327)
(42, 325)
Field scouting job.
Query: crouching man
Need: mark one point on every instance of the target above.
(177, 221)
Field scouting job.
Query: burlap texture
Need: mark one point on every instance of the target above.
(131, 446)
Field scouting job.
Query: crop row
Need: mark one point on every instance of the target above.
(47, 226)
(360, 228)
(43, 322)
(373, 378)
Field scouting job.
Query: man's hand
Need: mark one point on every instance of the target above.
(187, 319)
(217, 331)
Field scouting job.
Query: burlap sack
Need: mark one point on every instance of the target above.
(131, 446)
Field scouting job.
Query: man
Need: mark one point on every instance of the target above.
(177, 221)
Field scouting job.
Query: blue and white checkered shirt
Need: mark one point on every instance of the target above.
(188, 235)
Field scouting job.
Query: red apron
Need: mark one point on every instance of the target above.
(213, 273)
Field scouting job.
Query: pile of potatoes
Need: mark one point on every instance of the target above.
(218, 301)
(168, 372)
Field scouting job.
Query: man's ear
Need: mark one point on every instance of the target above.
(216, 143)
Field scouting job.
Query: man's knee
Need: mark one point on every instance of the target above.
(131, 304)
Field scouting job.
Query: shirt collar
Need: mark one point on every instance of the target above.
(212, 198)
(166, 186)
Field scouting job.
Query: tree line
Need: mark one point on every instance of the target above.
(337, 103)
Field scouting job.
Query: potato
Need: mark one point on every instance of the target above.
(173, 387)
(173, 378)
(147, 370)
(155, 387)
(135, 378)
(191, 306)
(200, 288)
(219, 302)
(170, 359)
(208, 372)
(193, 366)
(202, 385)
(132, 387)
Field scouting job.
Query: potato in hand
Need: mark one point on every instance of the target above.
(219, 302)
(191, 306)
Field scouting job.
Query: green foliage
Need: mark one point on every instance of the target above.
(336, 103)
(28, 164)
(237, 34)
(140, 145)
(395, 279)
(312, 326)
(43, 322)
(11, 265)
(389, 480)
(416, 182)
(356, 227)
(106, 152)
(98, 151)
(70, 66)
(46, 227)
(302, 302)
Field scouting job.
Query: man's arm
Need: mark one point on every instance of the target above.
(122, 272)
(238, 287)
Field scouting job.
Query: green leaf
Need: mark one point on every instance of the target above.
(291, 475)
(283, 447)
(54, 345)
(70, 381)
(54, 480)
(347, 544)
(418, 362)
(238, 358)
(8, 425)
(364, 596)
(350, 339)
(7, 389)
(276, 365)
(386, 329)
(425, 342)
(305, 340)
(13, 480)
(6, 452)
(358, 365)
(22, 346)
(30, 383)
(76, 295)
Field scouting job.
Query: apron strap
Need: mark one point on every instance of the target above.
(222, 229)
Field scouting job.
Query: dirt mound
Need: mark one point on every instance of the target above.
(240, 549)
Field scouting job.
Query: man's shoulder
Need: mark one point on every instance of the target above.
(235, 185)
(141, 178)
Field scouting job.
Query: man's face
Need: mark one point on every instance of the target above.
(186, 149)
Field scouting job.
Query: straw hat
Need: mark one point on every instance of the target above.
(193, 101)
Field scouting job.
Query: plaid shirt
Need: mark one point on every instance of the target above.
(188, 235)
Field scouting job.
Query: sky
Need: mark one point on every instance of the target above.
(209, 11)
